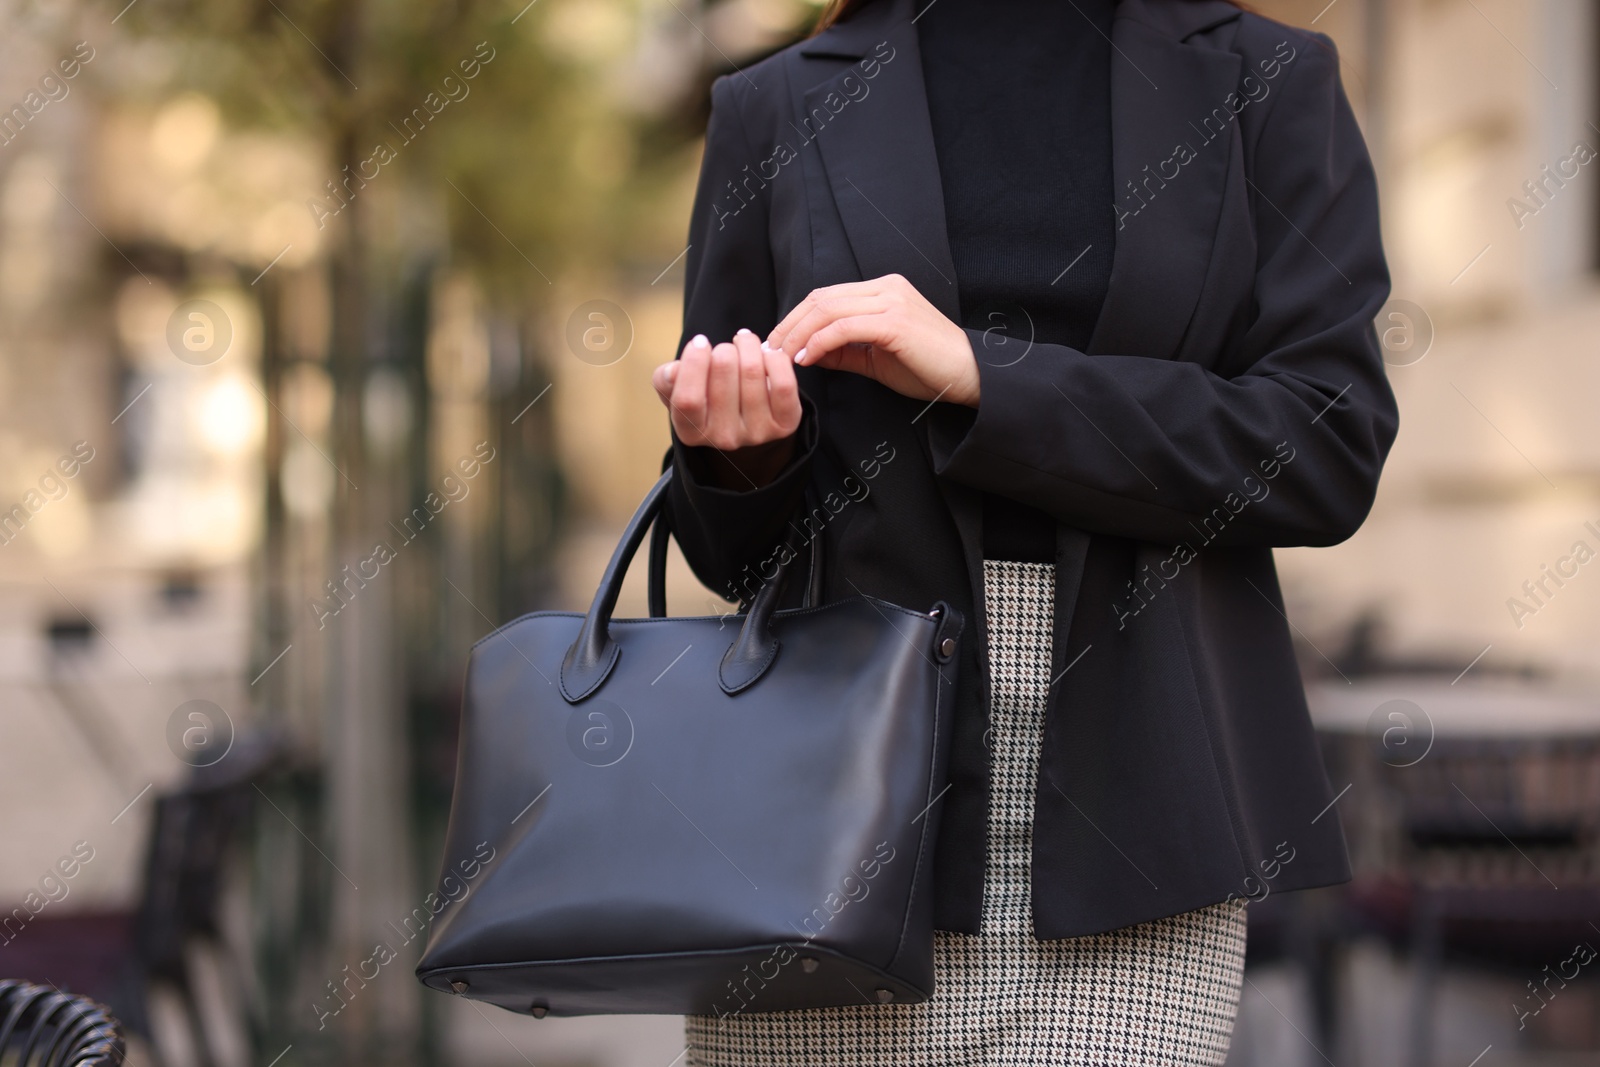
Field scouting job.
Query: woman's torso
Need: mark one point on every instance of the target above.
(1019, 101)
(1178, 748)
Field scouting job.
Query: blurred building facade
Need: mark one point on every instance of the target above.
(1481, 116)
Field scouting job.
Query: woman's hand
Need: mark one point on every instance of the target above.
(886, 330)
(739, 398)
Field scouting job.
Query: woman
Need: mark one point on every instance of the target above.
(1088, 288)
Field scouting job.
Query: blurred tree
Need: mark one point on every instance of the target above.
(462, 139)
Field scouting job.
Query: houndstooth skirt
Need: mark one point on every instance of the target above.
(1159, 994)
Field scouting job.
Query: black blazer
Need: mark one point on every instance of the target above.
(1232, 399)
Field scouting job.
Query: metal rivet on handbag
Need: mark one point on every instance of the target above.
(710, 815)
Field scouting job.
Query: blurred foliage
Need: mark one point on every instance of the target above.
(532, 166)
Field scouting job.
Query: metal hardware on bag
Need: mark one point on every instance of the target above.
(885, 996)
(808, 964)
(538, 1011)
(458, 986)
(945, 643)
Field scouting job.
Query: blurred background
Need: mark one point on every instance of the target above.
(326, 329)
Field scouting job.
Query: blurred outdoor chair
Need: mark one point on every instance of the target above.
(192, 993)
(168, 969)
(41, 1026)
(1491, 828)
(1461, 840)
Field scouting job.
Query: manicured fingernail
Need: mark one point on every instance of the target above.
(742, 332)
(701, 341)
(800, 356)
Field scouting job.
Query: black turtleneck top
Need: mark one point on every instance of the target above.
(1019, 94)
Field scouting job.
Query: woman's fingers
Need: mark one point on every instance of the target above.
(856, 331)
(850, 358)
(755, 410)
(885, 329)
(722, 397)
(662, 379)
(779, 336)
(783, 392)
(688, 400)
(827, 310)
(732, 395)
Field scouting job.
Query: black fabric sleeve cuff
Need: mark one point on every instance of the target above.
(725, 534)
(957, 434)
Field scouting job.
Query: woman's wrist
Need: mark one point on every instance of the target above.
(969, 384)
(743, 469)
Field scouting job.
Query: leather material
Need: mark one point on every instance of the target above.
(656, 589)
(594, 653)
(666, 815)
(753, 651)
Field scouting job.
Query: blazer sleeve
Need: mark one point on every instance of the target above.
(1286, 439)
(730, 284)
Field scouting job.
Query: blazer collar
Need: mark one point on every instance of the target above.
(877, 150)
(854, 38)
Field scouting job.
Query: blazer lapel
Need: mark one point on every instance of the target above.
(1159, 86)
(877, 150)
(1169, 170)
(1172, 134)
(878, 154)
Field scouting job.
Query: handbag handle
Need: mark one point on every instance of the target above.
(594, 652)
(656, 570)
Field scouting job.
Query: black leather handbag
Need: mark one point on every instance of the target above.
(706, 815)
